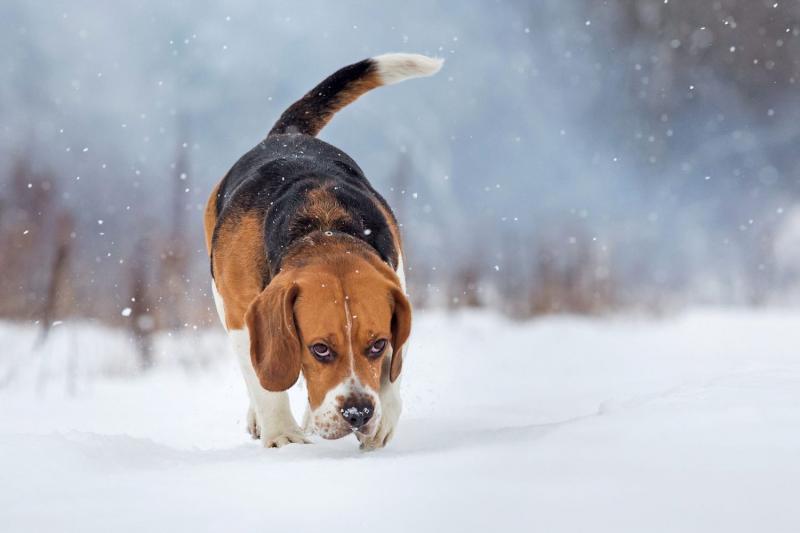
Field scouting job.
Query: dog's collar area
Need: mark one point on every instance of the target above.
(321, 237)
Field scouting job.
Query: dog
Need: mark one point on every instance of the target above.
(307, 271)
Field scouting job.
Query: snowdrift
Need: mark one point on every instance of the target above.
(563, 424)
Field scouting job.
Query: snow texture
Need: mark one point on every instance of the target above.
(689, 423)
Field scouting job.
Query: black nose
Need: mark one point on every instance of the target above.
(357, 414)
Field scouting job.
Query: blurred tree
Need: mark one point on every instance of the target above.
(24, 239)
(175, 256)
(59, 272)
(140, 314)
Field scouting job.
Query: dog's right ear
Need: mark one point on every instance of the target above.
(401, 329)
(275, 349)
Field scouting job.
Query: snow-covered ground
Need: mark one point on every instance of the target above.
(690, 423)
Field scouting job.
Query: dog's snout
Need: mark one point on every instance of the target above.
(357, 414)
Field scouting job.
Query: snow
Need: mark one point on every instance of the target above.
(689, 423)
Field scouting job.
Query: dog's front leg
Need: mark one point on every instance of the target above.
(391, 407)
(273, 420)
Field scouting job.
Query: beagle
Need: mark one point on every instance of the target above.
(307, 271)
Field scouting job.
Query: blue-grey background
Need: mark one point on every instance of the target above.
(578, 156)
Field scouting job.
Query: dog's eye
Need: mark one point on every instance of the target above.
(377, 348)
(321, 351)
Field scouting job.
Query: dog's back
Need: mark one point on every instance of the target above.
(300, 184)
(297, 184)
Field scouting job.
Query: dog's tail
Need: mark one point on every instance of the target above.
(314, 110)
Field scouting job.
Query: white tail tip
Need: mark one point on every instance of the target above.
(394, 68)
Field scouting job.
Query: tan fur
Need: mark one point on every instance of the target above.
(322, 208)
(356, 89)
(275, 348)
(340, 276)
(343, 278)
(305, 303)
(239, 264)
(397, 356)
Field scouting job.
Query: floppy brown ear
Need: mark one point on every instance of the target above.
(275, 349)
(401, 329)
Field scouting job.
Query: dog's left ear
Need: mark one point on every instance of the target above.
(401, 329)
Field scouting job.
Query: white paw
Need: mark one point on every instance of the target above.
(294, 436)
(383, 435)
(252, 424)
(379, 440)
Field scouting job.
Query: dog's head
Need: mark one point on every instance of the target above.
(337, 322)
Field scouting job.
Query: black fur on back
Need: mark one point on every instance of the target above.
(274, 179)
